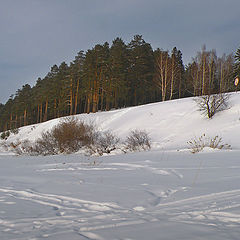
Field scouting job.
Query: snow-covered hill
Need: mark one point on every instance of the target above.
(170, 124)
(163, 194)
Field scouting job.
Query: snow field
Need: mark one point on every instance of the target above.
(165, 193)
(67, 197)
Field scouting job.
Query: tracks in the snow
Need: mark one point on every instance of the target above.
(81, 216)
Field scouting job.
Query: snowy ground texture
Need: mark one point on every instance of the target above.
(165, 193)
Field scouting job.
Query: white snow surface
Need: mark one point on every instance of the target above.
(166, 193)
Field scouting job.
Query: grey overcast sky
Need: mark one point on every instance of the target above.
(36, 34)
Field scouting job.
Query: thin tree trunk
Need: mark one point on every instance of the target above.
(222, 78)
(172, 79)
(162, 76)
(38, 113)
(71, 97)
(80, 106)
(115, 99)
(180, 85)
(203, 75)
(25, 117)
(102, 97)
(76, 98)
(40, 120)
(198, 88)
(55, 108)
(88, 104)
(10, 121)
(165, 78)
(16, 120)
(94, 101)
(58, 110)
(46, 111)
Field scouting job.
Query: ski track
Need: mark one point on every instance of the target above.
(74, 214)
(107, 167)
(210, 209)
(82, 217)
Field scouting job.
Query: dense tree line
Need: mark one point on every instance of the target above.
(117, 76)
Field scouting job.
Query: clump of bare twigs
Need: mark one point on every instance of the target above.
(198, 144)
(212, 103)
(72, 135)
(138, 140)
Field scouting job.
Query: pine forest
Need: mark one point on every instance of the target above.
(121, 75)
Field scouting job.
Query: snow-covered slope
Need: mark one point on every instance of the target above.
(170, 124)
(162, 194)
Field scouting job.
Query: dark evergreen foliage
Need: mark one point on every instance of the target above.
(237, 63)
(116, 76)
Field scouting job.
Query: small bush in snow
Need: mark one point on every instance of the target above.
(2, 136)
(19, 147)
(103, 142)
(5, 135)
(47, 144)
(71, 135)
(68, 136)
(138, 140)
(13, 146)
(198, 144)
(212, 103)
(14, 131)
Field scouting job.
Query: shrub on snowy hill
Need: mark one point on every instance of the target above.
(103, 142)
(138, 140)
(72, 135)
(212, 103)
(69, 136)
(170, 125)
(198, 144)
(5, 135)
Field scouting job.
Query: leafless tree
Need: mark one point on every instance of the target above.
(212, 103)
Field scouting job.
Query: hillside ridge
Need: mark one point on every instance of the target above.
(170, 124)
